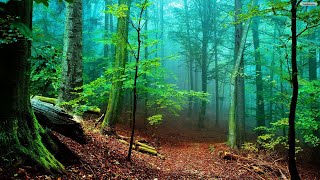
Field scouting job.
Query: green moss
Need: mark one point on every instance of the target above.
(47, 99)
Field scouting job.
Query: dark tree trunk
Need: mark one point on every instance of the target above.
(20, 132)
(239, 87)
(206, 24)
(294, 80)
(137, 58)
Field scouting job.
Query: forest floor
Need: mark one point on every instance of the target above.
(189, 153)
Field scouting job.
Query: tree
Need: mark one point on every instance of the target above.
(190, 54)
(239, 87)
(136, 55)
(72, 54)
(236, 112)
(121, 57)
(260, 113)
(232, 133)
(206, 23)
(295, 88)
(21, 136)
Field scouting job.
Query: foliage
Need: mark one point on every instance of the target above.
(250, 147)
(211, 148)
(308, 113)
(120, 11)
(45, 70)
(270, 138)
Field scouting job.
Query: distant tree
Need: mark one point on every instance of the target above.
(189, 53)
(72, 54)
(205, 9)
(121, 57)
(260, 113)
(21, 136)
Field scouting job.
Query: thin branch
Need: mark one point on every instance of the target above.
(308, 27)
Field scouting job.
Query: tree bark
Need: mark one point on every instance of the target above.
(121, 57)
(295, 87)
(232, 133)
(20, 132)
(72, 54)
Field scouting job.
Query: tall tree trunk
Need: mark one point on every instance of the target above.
(189, 56)
(295, 87)
(215, 29)
(146, 55)
(162, 29)
(72, 54)
(205, 23)
(260, 113)
(121, 57)
(106, 48)
(20, 133)
(232, 133)
(239, 87)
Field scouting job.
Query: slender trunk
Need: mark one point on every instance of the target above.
(189, 56)
(295, 85)
(106, 50)
(135, 96)
(215, 29)
(162, 29)
(146, 51)
(260, 113)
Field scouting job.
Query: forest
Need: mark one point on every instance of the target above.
(159, 89)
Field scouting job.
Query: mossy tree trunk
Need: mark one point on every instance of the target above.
(20, 132)
(121, 57)
(72, 54)
(232, 122)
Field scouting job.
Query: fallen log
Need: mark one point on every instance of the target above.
(56, 119)
(141, 147)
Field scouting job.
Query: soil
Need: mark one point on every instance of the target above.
(188, 153)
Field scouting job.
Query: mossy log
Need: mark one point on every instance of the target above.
(53, 101)
(144, 145)
(141, 147)
(147, 150)
(56, 119)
